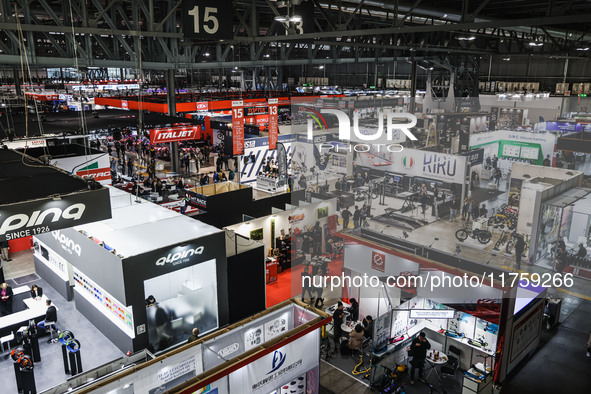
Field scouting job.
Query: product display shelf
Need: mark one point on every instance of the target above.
(464, 341)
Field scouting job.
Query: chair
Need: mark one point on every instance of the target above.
(453, 357)
(6, 339)
(50, 325)
(177, 324)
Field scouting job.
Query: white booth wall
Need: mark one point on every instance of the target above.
(282, 221)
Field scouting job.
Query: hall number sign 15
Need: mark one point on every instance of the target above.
(207, 19)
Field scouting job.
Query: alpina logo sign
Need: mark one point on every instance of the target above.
(179, 257)
(37, 222)
(67, 244)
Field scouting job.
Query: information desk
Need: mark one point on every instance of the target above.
(19, 294)
(36, 311)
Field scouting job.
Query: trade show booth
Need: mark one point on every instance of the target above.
(276, 351)
(288, 236)
(534, 187)
(145, 289)
(463, 324)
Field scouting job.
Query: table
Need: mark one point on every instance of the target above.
(14, 321)
(434, 363)
(348, 327)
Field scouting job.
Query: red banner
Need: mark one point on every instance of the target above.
(273, 127)
(172, 134)
(98, 174)
(238, 127)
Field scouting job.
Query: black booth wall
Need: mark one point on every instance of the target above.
(226, 209)
(142, 267)
(246, 284)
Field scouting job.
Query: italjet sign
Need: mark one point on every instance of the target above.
(173, 134)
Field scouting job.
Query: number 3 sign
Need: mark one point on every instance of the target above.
(207, 19)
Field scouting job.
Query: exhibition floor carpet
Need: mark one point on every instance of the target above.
(95, 348)
(288, 283)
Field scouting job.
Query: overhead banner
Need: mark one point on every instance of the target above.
(281, 164)
(207, 19)
(238, 127)
(278, 367)
(273, 127)
(202, 106)
(41, 216)
(413, 162)
(94, 166)
(174, 134)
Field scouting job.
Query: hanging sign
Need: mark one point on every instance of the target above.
(238, 127)
(273, 127)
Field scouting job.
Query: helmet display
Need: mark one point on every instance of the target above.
(16, 353)
(65, 336)
(73, 345)
(25, 362)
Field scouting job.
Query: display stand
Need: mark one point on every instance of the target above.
(31, 347)
(72, 361)
(271, 265)
(25, 380)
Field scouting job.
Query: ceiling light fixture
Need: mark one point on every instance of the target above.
(583, 49)
(469, 38)
(206, 54)
(295, 18)
(506, 59)
(281, 18)
(536, 44)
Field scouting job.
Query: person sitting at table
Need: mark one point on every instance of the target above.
(356, 338)
(5, 300)
(150, 301)
(50, 315)
(368, 326)
(36, 292)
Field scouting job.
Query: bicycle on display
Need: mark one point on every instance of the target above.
(483, 236)
(504, 216)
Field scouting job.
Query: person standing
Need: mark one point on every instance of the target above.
(465, 208)
(582, 252)
(453, 209)
(356, 217)
(368, 326)
(337, 319)
(418, 351)
(483, 212)
(306, 284)
(470, 209)
(519, 248)
(346, 214)
(562, 259)
(4, 250)
(5, 300)
(319, 280)
(130, 166)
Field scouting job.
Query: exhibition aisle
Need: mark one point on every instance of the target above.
(95, 348)
(281, 290)
(566, 346)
